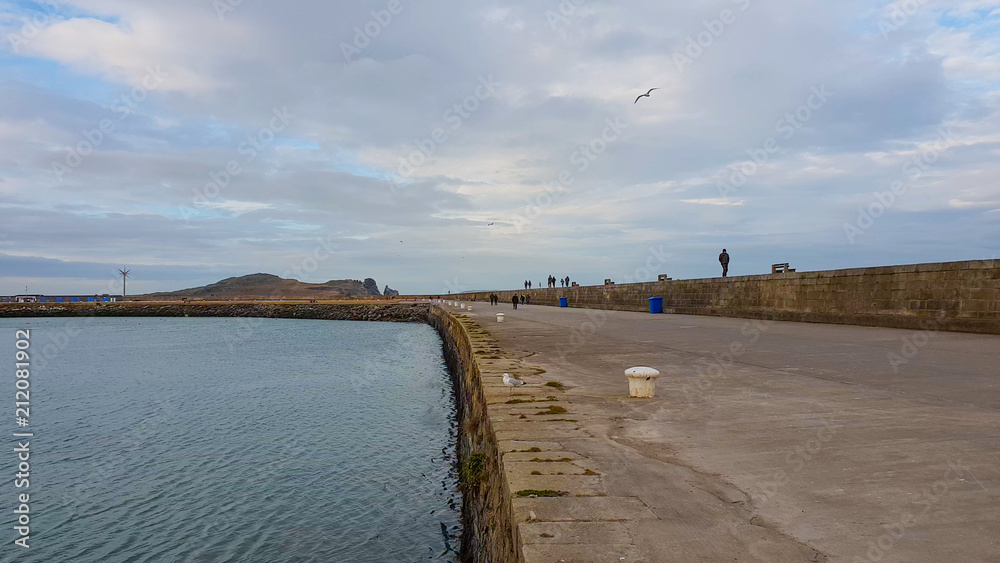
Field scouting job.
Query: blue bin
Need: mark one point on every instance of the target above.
(655, 305)
(563, 302)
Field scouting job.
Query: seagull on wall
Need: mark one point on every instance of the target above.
(511, 381)
(646, 95)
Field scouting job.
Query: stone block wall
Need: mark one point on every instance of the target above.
(955, 296)
(490, 534)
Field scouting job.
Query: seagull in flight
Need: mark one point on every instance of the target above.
(511, 382)
(646, 95)
(490, 225)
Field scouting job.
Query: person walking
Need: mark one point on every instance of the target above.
(514, 301)
(724, 260)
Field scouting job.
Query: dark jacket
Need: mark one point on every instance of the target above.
(724, 259)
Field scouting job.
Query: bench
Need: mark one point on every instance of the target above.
(781, 269)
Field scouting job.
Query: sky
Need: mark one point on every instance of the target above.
(452, 146)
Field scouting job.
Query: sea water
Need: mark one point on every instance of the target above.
(243, 440)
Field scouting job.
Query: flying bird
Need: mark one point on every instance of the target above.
(646, 95)
(511, 382)
(490, 225)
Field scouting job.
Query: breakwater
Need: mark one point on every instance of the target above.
(951, 296)
(396, 312)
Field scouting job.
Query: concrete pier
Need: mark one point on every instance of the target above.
(767, 441)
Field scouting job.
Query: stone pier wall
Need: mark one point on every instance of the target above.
(955, 296)
(490, 532)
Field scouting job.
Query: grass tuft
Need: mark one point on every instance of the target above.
(540, 493)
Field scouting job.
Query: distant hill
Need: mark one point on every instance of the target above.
(271, 286)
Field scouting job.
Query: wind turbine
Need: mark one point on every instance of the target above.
(125, 274)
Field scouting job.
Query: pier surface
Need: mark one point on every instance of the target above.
(766, 441)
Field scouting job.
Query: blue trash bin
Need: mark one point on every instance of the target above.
(655, 305)
(563, 302)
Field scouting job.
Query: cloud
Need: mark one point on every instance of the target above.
(716, 201)
(334, 172)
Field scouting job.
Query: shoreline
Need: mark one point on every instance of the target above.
(385, 312)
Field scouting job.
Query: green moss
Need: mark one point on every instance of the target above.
(540, 493)
(555, 384)
(536, 472)
(473, 470)
(519, 401)
(540, 460)
(553, 409)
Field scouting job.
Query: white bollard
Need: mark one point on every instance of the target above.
(641, 382)
(469, 308)
(463, 305)
(500, 317)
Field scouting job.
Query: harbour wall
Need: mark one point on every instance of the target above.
(952, 296)
(490, 531)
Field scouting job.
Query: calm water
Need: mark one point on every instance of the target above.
(161, 440)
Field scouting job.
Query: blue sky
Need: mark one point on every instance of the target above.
(250, 143)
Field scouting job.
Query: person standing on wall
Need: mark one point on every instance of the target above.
(724, 260)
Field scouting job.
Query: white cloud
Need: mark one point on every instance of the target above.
(557, 89)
